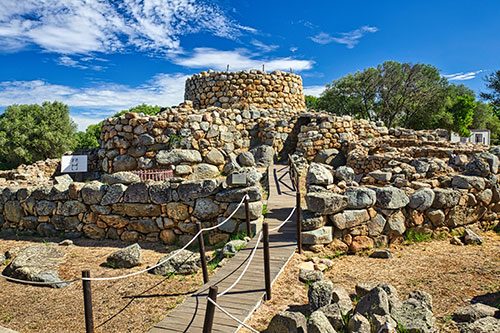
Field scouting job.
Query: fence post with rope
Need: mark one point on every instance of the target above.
(210, 310)
(247, 217)
(203, 257)
(267, 266)
(87, 302)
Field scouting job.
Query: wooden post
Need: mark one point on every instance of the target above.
(87, 303)
(267, 265)
(247, 218)
(210, 310)
(203, 257)
(298, 214)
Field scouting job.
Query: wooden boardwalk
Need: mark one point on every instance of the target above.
(247, 295)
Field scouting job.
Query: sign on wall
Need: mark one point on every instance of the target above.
(73, 163)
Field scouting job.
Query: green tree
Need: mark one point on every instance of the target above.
(493, 96)
(485, 118)
(89, 138)
(29, 133)
(150, 110)
(462, 109)
(311, 102)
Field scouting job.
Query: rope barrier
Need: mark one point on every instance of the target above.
(232, 317)
(119, 277)
(284, 222)
(41, 283)
(245, 269)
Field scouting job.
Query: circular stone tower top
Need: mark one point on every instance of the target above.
(242, 90)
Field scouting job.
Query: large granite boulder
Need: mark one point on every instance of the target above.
(122, 177)
(422, 199)
(237, 194)
(194, 189)
(326, 202)
(178, 156)
(205, 209)
(360, 197)
(320, 294)
(415, 314)
(37, 263)
(318, 323)
(319, 174)
(263, 155)
(288, 322)
(390, 197)
(184, 262)
(125, 258)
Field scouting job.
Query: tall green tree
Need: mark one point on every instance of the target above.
(29, 133)
(150, 110)
(485, 118)
(311, 102)
(493, 95)
(89, 138)
(462, 109)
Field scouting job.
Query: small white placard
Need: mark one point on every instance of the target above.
(74, 163)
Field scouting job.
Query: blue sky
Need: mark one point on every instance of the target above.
(103, 56)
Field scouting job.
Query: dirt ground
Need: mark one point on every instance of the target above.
(453, 275)
(128, 305)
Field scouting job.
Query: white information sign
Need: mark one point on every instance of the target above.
(74, 163)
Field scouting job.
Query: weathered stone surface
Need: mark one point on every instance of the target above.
(360, 197)
(436, 216)
(160, 193)
(264, 155)
(206, 209)
(38, 263)
(319, 174)
(320, 294)
(468, 182)
(395, 224)
(93, 231)
(364, 288)
(248, 176)
(318, 323)
(215, 157)
(115, 221)
(136, 193)
(358, 324)
(125, 258)
(124, 163)
(422, 199)
(204, 171)
(113, 194)
(232, 247)
(194, 189)
(361, 243)
(381, 176)
(13, 211)
(391, 197)
(178, 156)
(237, 194)
(246, 159)
(72, 207)
(375, 302)
(326, 203)
(319, 236)
(376, 225)
(473, 312)
(168, 236)
(344, 173)
(334, 316)
(470, 237)
(45, 207)
(137, 209)
(308, 276)
(381, 254)
(129, 236)
(122, 177)
(143, 225)
(483, 325)
(46, 229)
(415, 314)
(178, 211)
(288, 322)
(184, 262)
(311, 220)
(340, 296)
(350, 218)
(445, 198)
(254, 208)
(93, 192)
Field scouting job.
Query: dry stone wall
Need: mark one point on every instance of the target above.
(123, 207)
(244, 90)
(208, 138)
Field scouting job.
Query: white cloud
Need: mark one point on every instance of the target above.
(85, 26)
(81, 63)
(97, 102)
(238, 59)
(294, 49)
(313, 90)
(462, 76)
(264, 47)
(350, 39)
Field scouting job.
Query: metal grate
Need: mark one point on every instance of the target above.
(156, 175)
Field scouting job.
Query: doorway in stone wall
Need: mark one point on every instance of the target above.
(290, 145)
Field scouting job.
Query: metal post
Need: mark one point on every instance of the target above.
(210, 310)
(247, 218)
(267, 265)
(87, 303)
(203, 257)
(298, 213)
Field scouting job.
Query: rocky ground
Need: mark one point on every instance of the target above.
(453, 275)
(129, 305)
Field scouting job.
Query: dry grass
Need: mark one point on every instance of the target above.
(128, 305)
(453, 275)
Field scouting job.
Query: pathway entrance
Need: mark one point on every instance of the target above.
(247, 295)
